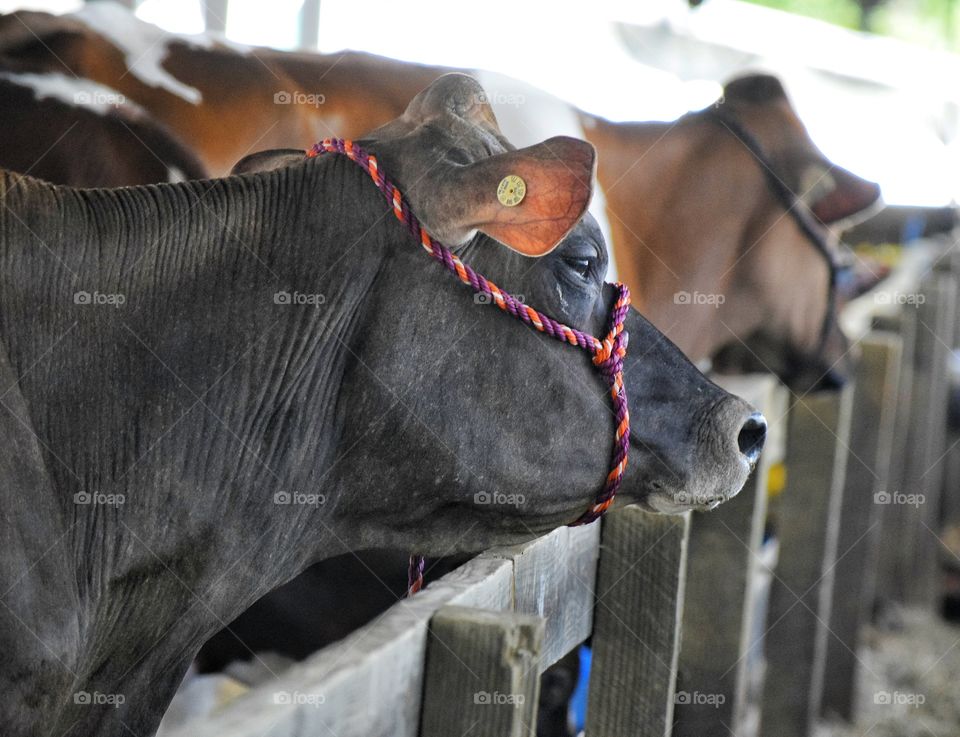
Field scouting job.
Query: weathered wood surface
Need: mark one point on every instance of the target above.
(875, 390)
(640, 586)
(482, 674)
(950, 506)
(369, 684)
(382, 663)
(807, 516)
(904, 325)
(554, 579)
(716, 652)
(927, 460)
(911, 520)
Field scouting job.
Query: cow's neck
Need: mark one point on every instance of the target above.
(222, 396)
(687, 217)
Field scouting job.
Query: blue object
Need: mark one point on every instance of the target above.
(578, 703)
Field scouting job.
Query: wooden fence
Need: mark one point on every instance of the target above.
(739, 621)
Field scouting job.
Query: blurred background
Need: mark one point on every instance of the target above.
(873, 80)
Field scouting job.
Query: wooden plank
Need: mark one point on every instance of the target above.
(380, 664)
(905, 325)
(482, 675)
(717, 652)
(912, 517)
(636, 637)
(554, 578)
(871, 436)
(807, 516)
(950, 506)
(926, 463)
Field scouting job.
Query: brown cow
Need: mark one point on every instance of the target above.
(74, 132)
(709, 252)
(224, 101)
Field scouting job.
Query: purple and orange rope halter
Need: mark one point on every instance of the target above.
(608, 354)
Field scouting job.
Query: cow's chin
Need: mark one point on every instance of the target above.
(680, 502)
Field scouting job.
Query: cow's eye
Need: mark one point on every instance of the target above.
(581, 266)
(458, 156)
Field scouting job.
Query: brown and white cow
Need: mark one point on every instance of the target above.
(79, 133)
(692, 217)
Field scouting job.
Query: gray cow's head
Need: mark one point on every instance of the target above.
(521, 423)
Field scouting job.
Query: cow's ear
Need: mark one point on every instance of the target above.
(269, 160)
(528, 199)
(846, 197)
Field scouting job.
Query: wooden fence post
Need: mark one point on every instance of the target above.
(640, 584)
(482, 674)
(554, 579)
(807, 517)
(717, 657)
(868, 464)
(950, 512)
(911, 520)
(904, 325)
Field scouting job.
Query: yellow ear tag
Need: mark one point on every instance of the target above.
(511, 190)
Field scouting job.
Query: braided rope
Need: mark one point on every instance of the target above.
(608, 353)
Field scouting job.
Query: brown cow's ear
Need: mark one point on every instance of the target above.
(557, 182)
(269, 160)
(849, 198)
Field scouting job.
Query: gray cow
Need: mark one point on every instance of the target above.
(176, 359)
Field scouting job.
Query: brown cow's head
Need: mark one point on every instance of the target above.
(798, 336)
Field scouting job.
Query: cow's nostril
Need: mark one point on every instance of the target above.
(752, 436)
